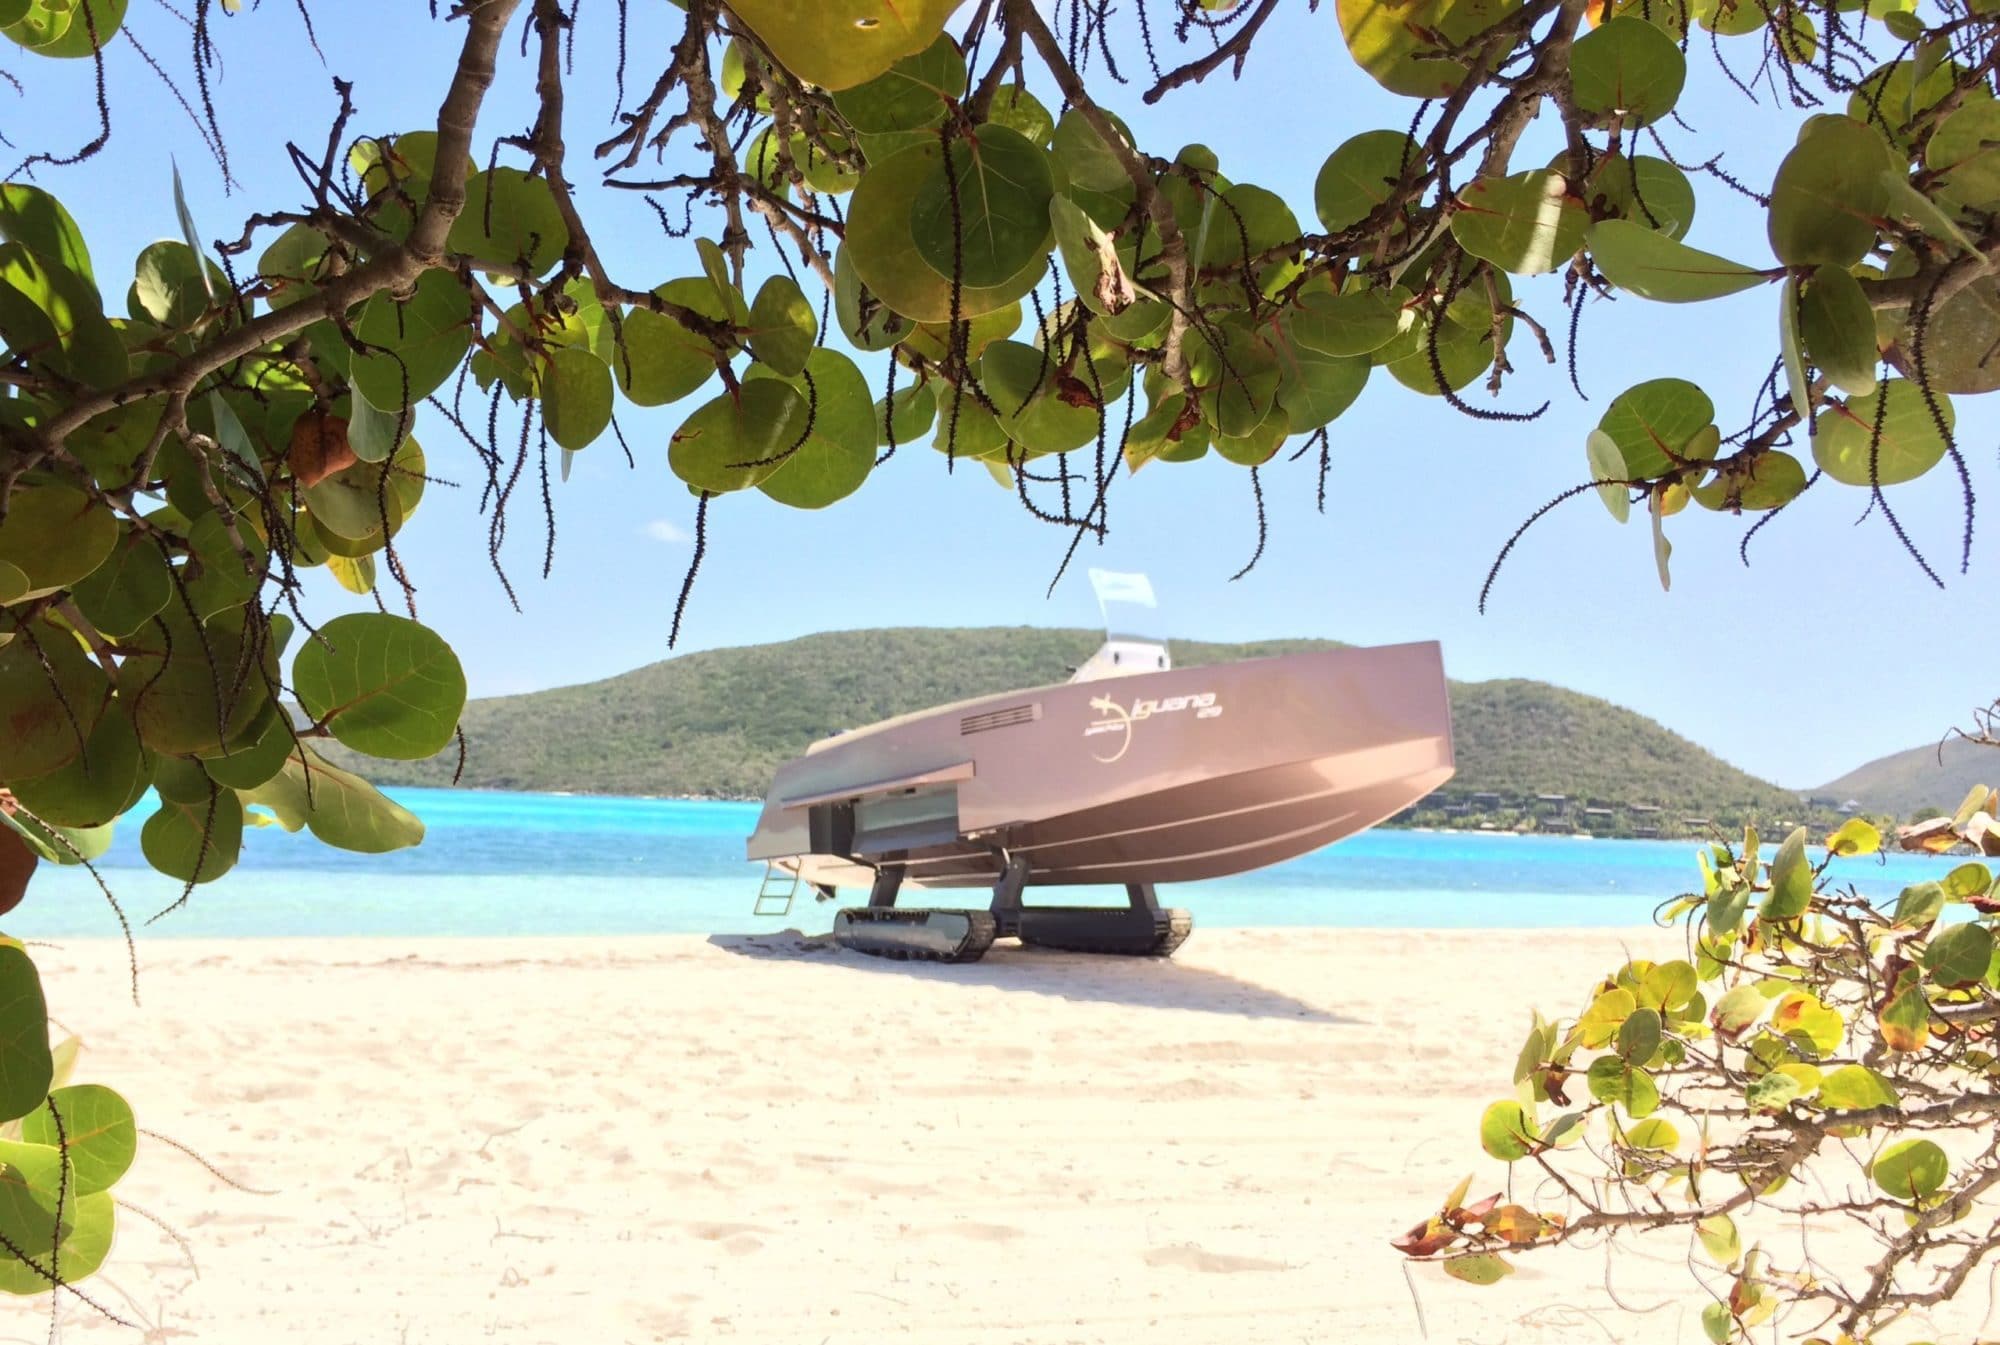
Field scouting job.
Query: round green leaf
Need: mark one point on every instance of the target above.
(1959, 955)
(1360, 175)
(1643, 190)
(340, 808)
(1909, 444)
(782, 325)
(55, 535)
(1480, 1268)
(661, 361)
(1653, 1133)
(1607, 464)
(521, 226)
(1961, 341)
(738, 439)
(1028, 391)
(1090, 170)
(128, 588)
(1830, 191)
(1507, 1131)
(1895, 97)
(1463, 354)
(1639, 1036)
(358, 504)
(1353, 322)
(838, 44)
(1772, 1093)
(1654, 266)
(1314, 388)
(866, 322)
(906, 417)
(187, 687)
(1971, 879)
(1855, 836)
(53, 315)
(1652, 419)
(1527, 223)
(1964, 154)
(96, 1131)
(1791, 880)
(1911, 1169)
(1398, 44)
(910, 95)
(840, 452)
(1000, 223)
(887, 256)
(1612, 1080)
(194, 842)
(51, 695)
(576, 391)
(25, 1065)
(260, 755)
(1770, 480)
(1018, 110)
(1856, 1088)
(167, 286)
(74, 39)
(1627, 68)
(420, 341)
(385, 685)
(36, 220)
(95, 786)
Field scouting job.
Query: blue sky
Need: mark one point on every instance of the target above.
(1830, 649)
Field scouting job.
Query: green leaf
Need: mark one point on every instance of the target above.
(1963, 154)
(1099, 273)
(1772, 1093)
(838, 44)
(1398, 44)
(1909, 444)
(1791, 880)
(1360, 176)
(912, 95)
(420, 341)
(1911, 1169)
(782, 326)
(192, 842)
(904, 195)
(1480, 1268)
(37, 221)
(1968, 880)
(1856, 1088)
(1829, 193)
(737, 440)
(1905, 1021)
(1314, 388)
(1612, 1080)
(385, 685)
(1919, 906)
(1000, 222)
(1649, 420)
(1737, 1010)
(1639, 1036)
(51, 695)
(662, 361)
(54, 317)
(55, 535)
(172, 285)
(73, 40)
(193, 690)
(25, 1064)
(94, 787)
(1641, 188)
(1790, 351)
(1855, 836)
(1653, 1133)
(340, 808)
(1507, 1131)
(97, 1132)
(1607, 463)
(576, 391)
(840, 452)
(1629, 69)
(906, 417)
(1654, 266)
(1527, 223)
(1808, 1024)
(1094, 177)
(522, 226)
(1768, 481)
(1353, 322)
(1717, 1323)
(82, 1250)
(1959, 955)
(1719, 1239)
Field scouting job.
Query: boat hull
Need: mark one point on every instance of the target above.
(1163, 777)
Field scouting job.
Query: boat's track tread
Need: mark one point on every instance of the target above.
(981, 931)
(1171, 931)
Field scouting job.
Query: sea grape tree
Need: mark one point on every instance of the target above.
(954, 202)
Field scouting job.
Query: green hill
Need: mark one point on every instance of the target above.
(717, 723)
(1926, 779)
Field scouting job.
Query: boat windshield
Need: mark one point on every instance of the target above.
(1124, 599)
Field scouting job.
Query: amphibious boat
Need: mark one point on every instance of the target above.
(1130, 774)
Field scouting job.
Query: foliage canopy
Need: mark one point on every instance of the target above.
(171, 463)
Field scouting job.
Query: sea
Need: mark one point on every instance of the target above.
(554, 865)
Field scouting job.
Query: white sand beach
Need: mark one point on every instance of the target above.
(673, 1138)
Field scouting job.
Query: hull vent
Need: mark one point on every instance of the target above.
(999, 719)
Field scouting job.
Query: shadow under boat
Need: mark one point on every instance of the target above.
(1059, 975)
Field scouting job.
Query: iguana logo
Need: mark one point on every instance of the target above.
(1114, 719)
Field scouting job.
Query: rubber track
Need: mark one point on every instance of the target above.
(1172, 927)
(983, 930)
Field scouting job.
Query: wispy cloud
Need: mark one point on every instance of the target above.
(666, 530)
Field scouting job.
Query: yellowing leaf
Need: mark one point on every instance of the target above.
(838, 44)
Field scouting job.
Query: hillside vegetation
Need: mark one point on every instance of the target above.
(1926, 779)
(718, 723)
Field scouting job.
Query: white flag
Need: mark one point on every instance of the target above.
(1114, 586)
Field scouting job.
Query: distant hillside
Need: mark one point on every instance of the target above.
(1914, 781)
(717, 723)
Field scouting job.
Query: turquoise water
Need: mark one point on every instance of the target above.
(497, 863)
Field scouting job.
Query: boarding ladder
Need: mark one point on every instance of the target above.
(774, 894)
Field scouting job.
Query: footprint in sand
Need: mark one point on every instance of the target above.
(1189, 1256)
